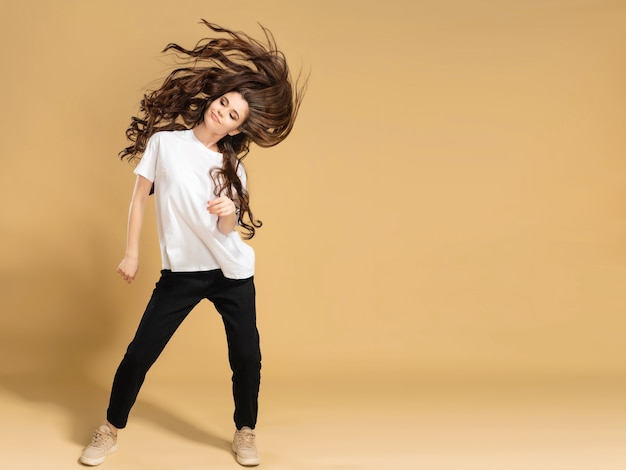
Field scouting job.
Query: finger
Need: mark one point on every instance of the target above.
(218, 208)
(225, 211)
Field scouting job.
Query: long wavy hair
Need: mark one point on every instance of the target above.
(215, 66)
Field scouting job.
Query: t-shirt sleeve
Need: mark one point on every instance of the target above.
(147, 165)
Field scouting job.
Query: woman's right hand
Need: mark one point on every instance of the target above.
(128, 268)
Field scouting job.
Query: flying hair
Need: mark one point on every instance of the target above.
(234, 61)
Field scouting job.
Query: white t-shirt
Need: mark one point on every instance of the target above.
(179, 165)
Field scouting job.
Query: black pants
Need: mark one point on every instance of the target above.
(175, 295)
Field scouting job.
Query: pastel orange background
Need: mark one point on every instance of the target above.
(450, 205)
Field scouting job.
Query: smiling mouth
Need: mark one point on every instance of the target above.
(214, 117)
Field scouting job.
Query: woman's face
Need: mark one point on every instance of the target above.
(227, 113)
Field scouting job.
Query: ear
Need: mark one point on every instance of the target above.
(235, 132)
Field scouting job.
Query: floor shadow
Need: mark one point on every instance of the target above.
(50, 344)
(84, 403)
(175, 424)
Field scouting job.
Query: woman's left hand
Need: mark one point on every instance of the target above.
(222, 207)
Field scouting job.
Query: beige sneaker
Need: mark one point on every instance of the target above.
(245, 448)
(102, 444)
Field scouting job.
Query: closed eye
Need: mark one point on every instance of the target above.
(234, 115)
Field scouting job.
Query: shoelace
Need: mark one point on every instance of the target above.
(245, 439)
(100, 439)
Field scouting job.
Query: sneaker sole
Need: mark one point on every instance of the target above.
(253, 462)
(94, 462)
(248, 462)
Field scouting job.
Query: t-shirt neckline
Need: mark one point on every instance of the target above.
(195, 139)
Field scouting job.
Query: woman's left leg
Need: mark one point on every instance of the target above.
(234, 299)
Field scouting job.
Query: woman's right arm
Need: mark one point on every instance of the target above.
(130, 264)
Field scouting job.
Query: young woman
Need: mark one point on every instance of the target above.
(191, 136)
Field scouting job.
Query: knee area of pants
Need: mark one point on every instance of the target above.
(250, 360)
(137, 359)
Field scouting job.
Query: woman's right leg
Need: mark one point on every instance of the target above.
(174, 296)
